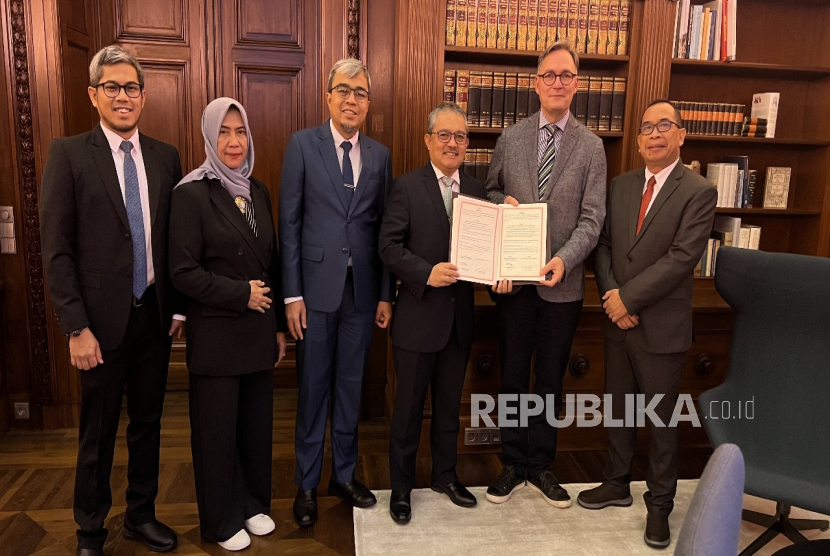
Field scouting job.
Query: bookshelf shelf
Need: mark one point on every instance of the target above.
(497, 131)
(769, 212)
(748, 69)
(758, 140)
(491, 56)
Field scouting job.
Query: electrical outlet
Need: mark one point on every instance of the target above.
(481, 435)
(21, 410)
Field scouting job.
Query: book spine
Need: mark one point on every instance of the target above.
(562, 20)
(592, 44)
(605, 100)
(469, 166)
(594, 92)
(602, 36)
(582, 26)
(502, 24)
(522, 96)
(613, 26)
(481, 25)
(450, 22)
(738, 119)
(581, 112)
(532, 23)
(481, 165)
(492, 23)
(553, 19)
(460, 22)
(486, 111)
(573, 21)
(749, 200)
(512, 24)
(542, 25)
(474, 99)
(497, 113)
(625, 15)
(521, 44)
(472, 22)
(618, 104)
(449, 85)
(462, 89)
(724, 29)
(511, 83)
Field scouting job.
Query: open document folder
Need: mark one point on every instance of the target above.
(492, 242)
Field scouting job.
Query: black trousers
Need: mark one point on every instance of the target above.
(231, 421)
(528, 323)
(138, 365)
(630, 370)
(443, 372)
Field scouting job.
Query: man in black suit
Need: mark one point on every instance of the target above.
(434, 316)
(104, 215)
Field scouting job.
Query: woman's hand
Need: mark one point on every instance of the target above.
(258, 300)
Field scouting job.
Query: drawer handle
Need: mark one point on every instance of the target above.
(484, 365)
(704, 366)
(579, 365)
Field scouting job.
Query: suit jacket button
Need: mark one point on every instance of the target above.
(452, 299)
(345, 250)
(265, 275)
(348, 220)
(628, 259)
(127, 237)
(239, 252)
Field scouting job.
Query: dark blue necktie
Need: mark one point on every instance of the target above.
(348, 173)
(135, 215)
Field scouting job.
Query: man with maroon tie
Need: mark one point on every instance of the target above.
(657, 223)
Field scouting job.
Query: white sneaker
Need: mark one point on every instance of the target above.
(239, 541)
(260, 524)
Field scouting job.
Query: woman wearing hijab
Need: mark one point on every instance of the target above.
(224, 258)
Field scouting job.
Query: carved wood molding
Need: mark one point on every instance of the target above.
(38, 324)
(353, 19)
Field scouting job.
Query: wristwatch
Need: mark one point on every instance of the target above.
(75, 333)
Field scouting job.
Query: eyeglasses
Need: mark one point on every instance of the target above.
(444, 136)
(662, 126)
(360, 94)
(566, 77)
(113, 89)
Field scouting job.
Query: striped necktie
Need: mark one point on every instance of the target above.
(135, 216)
(547, 160)
(446, 193)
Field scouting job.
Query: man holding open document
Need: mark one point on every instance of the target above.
(553, 159)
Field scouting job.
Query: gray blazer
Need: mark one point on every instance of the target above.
(575, 194)
(654, 270)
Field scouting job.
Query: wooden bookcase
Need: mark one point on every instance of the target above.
(797, 67)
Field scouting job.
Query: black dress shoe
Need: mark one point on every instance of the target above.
(400, 507)
(459, 495)
(353, 492)
(89, 552)
(156, 535)
(305, 507)
(658, 534)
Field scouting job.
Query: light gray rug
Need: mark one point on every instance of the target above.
(526, 525)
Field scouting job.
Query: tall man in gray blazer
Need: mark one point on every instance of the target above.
(659, 219)
(552, 158)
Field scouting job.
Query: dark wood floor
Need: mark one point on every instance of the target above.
(37, 477)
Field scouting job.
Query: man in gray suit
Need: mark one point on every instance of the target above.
(659, 219)
(552, 158)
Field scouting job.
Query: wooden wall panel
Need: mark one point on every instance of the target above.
(80, 114)
(269, 23)
(151, 19)
(165, 114)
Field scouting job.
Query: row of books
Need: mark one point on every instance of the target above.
(477, 162)
(705, 31)
(592, 26)
(728, 231)
(737, 184)
(499, 99)
(711, 118)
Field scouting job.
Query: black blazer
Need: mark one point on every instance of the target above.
(213, 256)
(85, 234)
(414, 237)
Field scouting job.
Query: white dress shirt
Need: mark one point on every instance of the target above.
(456, 179)
(659, 178)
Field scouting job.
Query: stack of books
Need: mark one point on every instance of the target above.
(499, 99)
(592, 26)
(727, 231)
(711, 118)
(705, 32)
(734, 180)
(477, 163)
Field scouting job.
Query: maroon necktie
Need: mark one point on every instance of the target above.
(644, 203)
